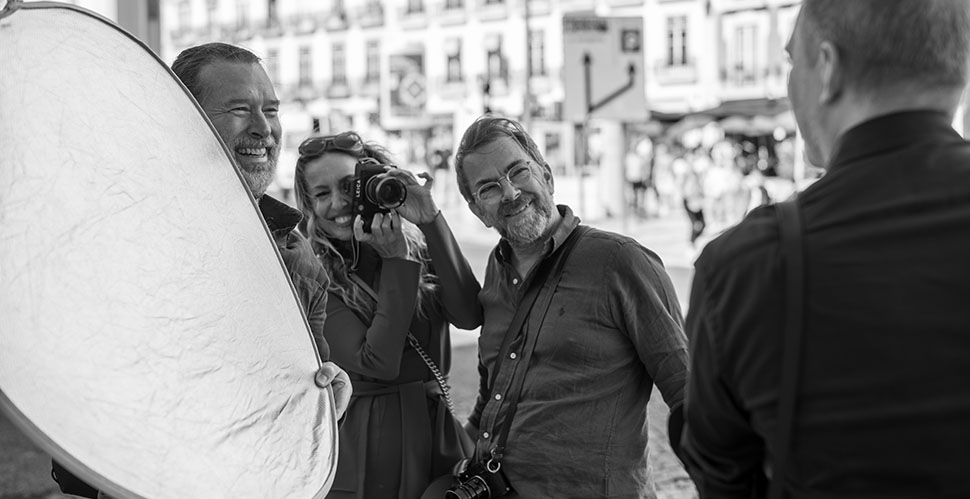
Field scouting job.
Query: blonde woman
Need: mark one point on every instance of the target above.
(405, 275)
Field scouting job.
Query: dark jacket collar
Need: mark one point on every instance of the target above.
(280, 217)
(888, 132)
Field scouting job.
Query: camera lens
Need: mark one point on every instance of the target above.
(386, 191)
(474, 488)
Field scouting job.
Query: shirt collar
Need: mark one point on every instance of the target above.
(567, 223)
(888, 132)
(280, 217)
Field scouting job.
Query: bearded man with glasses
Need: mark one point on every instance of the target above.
(590, 352)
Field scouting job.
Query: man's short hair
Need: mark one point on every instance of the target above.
(191, 61)
(486, 130)
(887, 42)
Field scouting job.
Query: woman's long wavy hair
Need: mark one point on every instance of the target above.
(338, 266)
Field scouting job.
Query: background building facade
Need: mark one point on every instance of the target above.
(414, 73)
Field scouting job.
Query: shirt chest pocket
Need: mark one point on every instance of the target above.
(574, 335)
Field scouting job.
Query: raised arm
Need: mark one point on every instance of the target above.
(459, 287)
(375, 350)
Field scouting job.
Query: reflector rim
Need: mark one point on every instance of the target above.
(14, 414)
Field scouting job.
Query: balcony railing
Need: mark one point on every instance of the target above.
(451, 12)
(370, 15)
(338, 89)
(676, 74)
(413, 16)
(743, 77)
(336, 20)
(302, 23)
(491, 10)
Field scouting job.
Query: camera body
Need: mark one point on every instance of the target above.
(478, 480)
(374, 191)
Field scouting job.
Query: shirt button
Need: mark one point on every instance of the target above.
(484, 434)
(512, 355)
(498, 396)
(515, 280)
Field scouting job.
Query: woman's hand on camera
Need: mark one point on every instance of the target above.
(419, 207)
(386, 235)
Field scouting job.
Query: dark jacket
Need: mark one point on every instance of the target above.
(884, 400)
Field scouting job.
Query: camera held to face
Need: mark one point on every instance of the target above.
(374, 191)
(479, 480)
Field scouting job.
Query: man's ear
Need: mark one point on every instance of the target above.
(832, 74)
(472, 205)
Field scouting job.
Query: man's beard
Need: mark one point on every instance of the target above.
(259, 176)
(529, 226)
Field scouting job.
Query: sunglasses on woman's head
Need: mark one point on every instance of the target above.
(348, 142)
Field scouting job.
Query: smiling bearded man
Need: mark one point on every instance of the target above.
(614, 328)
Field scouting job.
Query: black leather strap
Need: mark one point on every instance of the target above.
(543, 284)
(790, 225)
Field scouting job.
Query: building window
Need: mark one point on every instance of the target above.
(677, 41)
(339, 61)
(494, 2)
(306, 66)
(211, 6)
(453, 63)
(242, 15)
(415, 6)
(373, 69)
(454, 4)
(273, 65)
(185, 15)
(745, 57)
(537, 52)
(272, 18)
(495, 66)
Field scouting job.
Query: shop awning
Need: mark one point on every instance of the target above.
(746, 116)
(748, 108)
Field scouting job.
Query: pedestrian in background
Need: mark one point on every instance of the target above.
(604, 325)
(880, 399)
(692, 195)
(394, 290)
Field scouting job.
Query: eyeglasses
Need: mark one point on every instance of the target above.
(348, 142)
(517, 176)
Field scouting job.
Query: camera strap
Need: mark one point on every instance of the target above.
(544, 283)
(790, 225)
(439, 377)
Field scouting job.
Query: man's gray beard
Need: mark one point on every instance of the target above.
(260, 179)
(527, 230)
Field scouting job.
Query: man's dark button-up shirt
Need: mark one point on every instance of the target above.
(307, 273)
(883, 408)
(612, 330)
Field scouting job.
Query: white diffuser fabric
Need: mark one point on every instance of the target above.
(149, 336)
